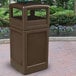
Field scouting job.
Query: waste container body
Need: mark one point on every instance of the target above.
(29, 38)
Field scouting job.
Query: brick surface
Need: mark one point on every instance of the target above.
(62, 60)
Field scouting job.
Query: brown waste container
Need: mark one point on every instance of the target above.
(29, 24)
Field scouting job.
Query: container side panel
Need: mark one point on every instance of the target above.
(16, 47)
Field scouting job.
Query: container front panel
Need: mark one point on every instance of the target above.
(37, 43)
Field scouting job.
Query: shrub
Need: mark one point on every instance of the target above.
(66, 17)
(63, 20)
(1, 24)
(71, 4)
(4, 23)
(54, 9)
(66, 20)
(4, 13)
(65, 12)
(53, 20)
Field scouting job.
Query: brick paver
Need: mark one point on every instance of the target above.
(62, 60)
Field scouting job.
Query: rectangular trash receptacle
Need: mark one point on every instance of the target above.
(29, 38)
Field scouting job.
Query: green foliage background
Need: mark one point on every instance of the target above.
(58, 9)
